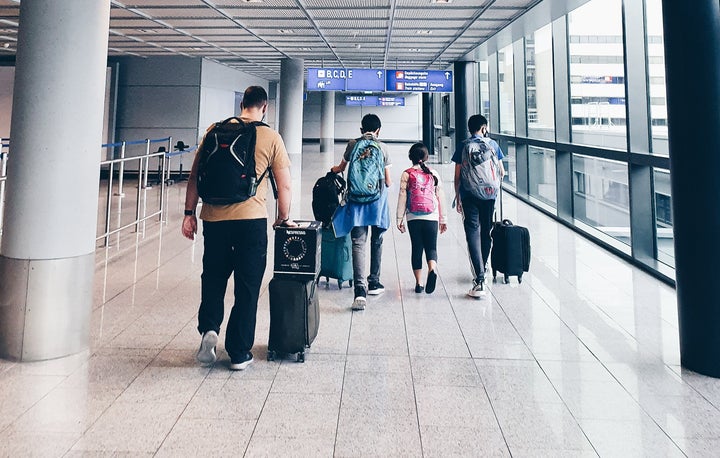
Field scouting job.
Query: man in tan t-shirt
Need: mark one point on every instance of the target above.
(235, 240)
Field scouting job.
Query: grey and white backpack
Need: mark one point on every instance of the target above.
(480, 169)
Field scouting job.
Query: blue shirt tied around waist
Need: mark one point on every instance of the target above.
(354, 214)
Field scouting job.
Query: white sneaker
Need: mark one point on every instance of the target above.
(478, 289)
(359, 303)
(206, 353)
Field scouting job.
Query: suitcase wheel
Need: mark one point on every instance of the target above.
(506, 279)
(300, 357)
(339, 284)
(271, 355)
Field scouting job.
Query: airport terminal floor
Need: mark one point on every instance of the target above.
(580, 359)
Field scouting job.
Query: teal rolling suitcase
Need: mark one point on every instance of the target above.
(336, 257)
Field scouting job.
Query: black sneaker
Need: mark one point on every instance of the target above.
(430, 283)
(238, 364)
(360, 298)
(419, 289)
(478, 289)
(375, 288)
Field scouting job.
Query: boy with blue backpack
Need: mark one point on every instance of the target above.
(368, 163)
(478, 175)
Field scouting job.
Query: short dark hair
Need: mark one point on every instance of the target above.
(476, 122)
(254, 97)
(418, 152)
(370, 123)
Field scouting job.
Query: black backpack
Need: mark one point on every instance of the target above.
(327, 194)
(226, 170)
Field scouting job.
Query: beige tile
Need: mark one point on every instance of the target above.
(131, 427)
(470, 441)
(312, 416)
(233, 400)
(207, 437)
(15, 443)
(445, 372)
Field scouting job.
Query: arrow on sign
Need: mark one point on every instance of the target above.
(447, 75)
(379, 74)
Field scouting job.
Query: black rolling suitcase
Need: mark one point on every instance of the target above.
(294, 317)
(336, 258)
(510, 252)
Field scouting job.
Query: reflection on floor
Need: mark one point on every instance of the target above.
(580, 359)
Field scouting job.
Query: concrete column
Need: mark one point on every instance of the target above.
(428, 117)
(692, 68)
(47, 258)
(291, 104)
(461, 101)
(327, 122)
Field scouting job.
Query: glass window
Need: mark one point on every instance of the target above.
(597, 74)
(507, 90)
(663, 217)
(601, 197)
(509, 163)
(542, 174)
(656, 77)
(540, 93)
(484, 89)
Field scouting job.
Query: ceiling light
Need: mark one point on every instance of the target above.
(285, 31)
(440, 1)
(252, 1)
(424, 32)
(414, 50)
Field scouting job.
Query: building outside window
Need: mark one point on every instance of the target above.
(484, 89)
(656, 77)
(539, 78)
(597, 74)
(507, 90)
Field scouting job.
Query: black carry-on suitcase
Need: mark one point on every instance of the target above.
(294, 317)
(336, 257)
(510, 253)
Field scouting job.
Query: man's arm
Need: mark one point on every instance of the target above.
(458, 203)
(283, 180)
(340, 167)
(189, 224)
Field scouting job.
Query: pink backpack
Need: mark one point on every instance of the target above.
(420, 192)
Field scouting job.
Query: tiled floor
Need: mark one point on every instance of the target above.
(580, 359)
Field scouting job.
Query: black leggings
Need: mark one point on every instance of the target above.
(423, 236)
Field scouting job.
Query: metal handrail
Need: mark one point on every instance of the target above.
(141, 215)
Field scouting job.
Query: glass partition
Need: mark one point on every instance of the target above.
(601, 197)
(663, 217)
(484, 88)
(541, 167)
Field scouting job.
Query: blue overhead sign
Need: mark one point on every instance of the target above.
(361, 100)
(365, 79)
(419, 80)
(326, 79)
(391, 101)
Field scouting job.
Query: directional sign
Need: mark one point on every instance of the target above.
(391, 101)
(419, 80)
(365, 79)
(361, 100)
(326, 79)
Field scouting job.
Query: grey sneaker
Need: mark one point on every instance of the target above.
(478, 289)
(359, 303)
(238, 364)
(206, 353)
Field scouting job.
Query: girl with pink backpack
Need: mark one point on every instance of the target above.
(422, 203)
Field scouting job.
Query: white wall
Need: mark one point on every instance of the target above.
(398, 123)
(218, 86)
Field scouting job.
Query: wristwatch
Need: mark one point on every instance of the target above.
(189, 212)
